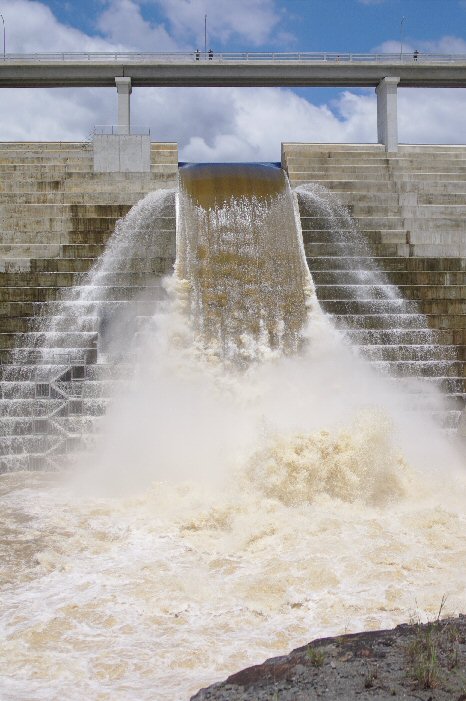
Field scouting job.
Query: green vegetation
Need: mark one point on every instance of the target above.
(434, 648)
(316, 656)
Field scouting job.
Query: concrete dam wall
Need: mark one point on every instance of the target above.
(410, 209)
(56, 215)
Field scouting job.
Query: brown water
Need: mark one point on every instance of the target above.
(239, 251)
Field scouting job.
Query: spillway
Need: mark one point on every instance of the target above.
(240, 250)
(254, 483)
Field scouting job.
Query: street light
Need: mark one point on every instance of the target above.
(401, 37)
(205, 35)
(4, 42)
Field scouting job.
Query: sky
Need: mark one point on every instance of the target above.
(230, 124)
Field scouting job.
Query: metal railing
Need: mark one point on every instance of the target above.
(119, 130)
(238, 57)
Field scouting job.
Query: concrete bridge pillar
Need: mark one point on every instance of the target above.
(387, 118)
(123, 86)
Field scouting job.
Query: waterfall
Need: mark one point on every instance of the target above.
(377, 321)
(240, 250)
(58, 383)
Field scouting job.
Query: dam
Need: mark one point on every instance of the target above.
(58, 213)
(252, 438)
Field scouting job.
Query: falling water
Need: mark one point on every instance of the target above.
(239, 251)
(255, 486)
(384, 327)
(57, 384)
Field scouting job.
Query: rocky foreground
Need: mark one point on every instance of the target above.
(415, 661)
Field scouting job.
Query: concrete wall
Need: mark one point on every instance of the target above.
(56, 215)
(410, 208)
(118, 153)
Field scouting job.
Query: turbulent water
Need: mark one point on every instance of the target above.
(237, 505)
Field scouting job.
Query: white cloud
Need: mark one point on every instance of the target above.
(122, 23)
(444, 45)
(251, 20)
(432, 116)
(235, 124)
(32, 27)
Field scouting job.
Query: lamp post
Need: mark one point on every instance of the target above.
(401, 38)
(205, 35)
(4, 34)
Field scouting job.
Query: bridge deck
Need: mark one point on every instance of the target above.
(232, 70)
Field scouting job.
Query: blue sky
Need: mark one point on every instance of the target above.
(230, 124)
(307, 25)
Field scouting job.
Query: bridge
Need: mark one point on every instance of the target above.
(385, 72)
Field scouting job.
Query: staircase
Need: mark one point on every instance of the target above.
(409, 209)
(56, 217)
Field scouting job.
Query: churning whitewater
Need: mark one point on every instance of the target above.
(253, 485)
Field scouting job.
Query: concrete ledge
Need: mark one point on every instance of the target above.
(115, 153)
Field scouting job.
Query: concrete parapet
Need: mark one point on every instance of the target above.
(121, 153)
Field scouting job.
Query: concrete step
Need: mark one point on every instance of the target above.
(340, 250)
(407, 292)
(438, 250)
(446, 385)
(77, 211)
(420, 368)
(10, 445)
(30, 250)
(80, 250)
(442, 198)
(57, 224)
(329, 235)
(456, 309)
(393, 162)
(365, 320)
(387, 263)
(59, 279)
(151, 264)
(400, 278)
(350, 185)
(412, 353)
(359, 168)
(71, 198)
(16, 354)
(359, 292)
(437, 236)
(390, 307)
(56, 426)
(54, 236)
(433, 292)
(59, 339)
(410, 212)
(381, 179)
(101, 292)
(29, 374)
(18, 324)
(403, 337)
(401, 321)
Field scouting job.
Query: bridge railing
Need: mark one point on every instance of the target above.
(236, 57)
(120, 130)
